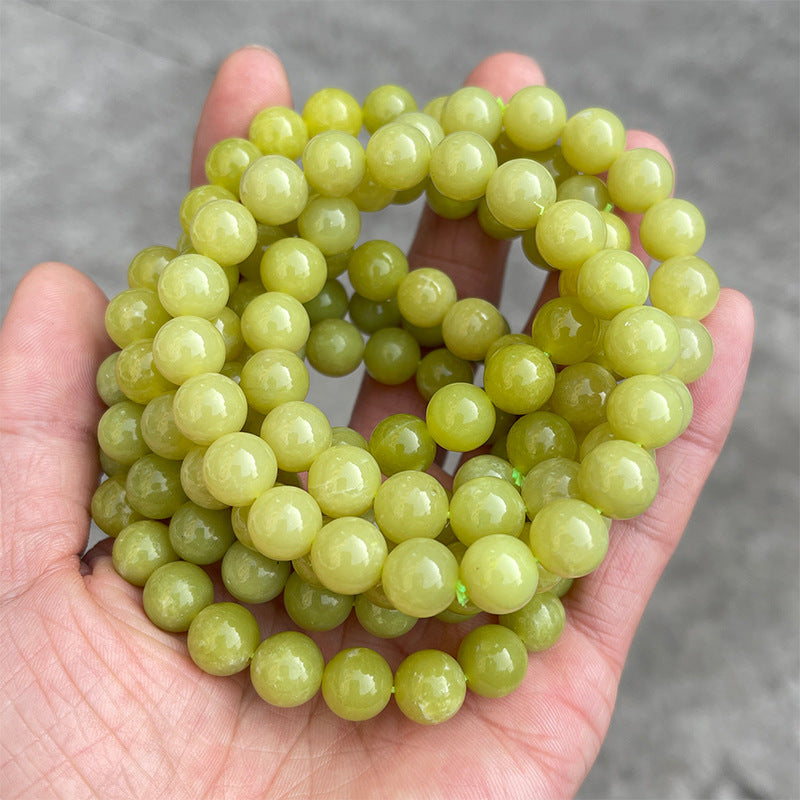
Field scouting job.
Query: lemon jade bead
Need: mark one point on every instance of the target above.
(283, 521)
(618, 234)
(569, 537)
(424, 296)
(376, 268)
(385, 623)
(153, 486)
(499, 573)
(472, 108)
(146, 266)
(537, 437)
(646, 410)
(137, 375)
(357, 684)
(685, 286)
(161, 432)
(539, 623)
(119, 432)
(639, 178)
(402, 442)
(251, 577)
(519, 378)
(295, 267)
(279, 130)
(485, 506)
(391, 356)
(134, 314)
(494, 660)
(333, 163)
(208, 406)
(611, 281)
(331, 223)
(427, 125)
(315, 608)
(642, 339)
(398, 156)
(619, 478)
(384, 104)
(175, 594)
(534, 117)
(568, 232)
(461, 165)
(347, 555)
(592, 140)
(696, 350)
(460, 417)
(549, 480)
(200, 535)
(419, 577)
(187, 346)
(672, 227)
(410, 505)
(228, 159)
(481, 466)
(274, 376)
(372, 315)
(286, 669)
(193, 284)
(238, 467)
(439, 368)
(223, 230)
(335, 347)
(141, 548)
(274, 190)
(588, 188)
(470, 326)
(446, 207)
(222, 638)
(581, 394)
(370, 195)
(329, 303)
(343, 480)
(275, 320)
(106, 380)
(429, 687)
(110, 509)
(332, 109)
(518, 193)
(297, 432)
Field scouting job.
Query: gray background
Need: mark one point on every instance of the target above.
(99, 104)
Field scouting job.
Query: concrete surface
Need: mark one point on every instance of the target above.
(99, 102)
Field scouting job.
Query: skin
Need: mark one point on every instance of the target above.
(96, 702)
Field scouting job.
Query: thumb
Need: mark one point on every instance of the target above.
(51, 344)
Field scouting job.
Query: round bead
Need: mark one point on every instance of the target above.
(429, 686)
(461, 165)
(486, 506)
(343, 480)
(175, 594)
(222, 638)
(357, 683)
(398, 156)
(274, 190)
(519, 378)
(642, 339)
(460, 417)
(297, 432)
(568, 232)
(672, 227)
(251, 577)
(592, 140)
(279, 130)
(286, 669)
(225, 231)
(518, 193)
(472, 108)
(333, 163)
(470, 326)
(494, 660)
(410, 505)
(402, 442)
(539, 623)
(141, 548)
(685, 286)
(238, 467)
(639, 178)
(534, 118)
(283, 521)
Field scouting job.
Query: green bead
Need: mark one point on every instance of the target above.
(294, 267)
(639, 178)
(470, 326)
(331, 223)
(208, 406)
(565, 330)
(153, 486)
(134, 314)
(376, 268)
(419, 577)
(137, 375)
(343, 480)
(279, 130)
(147, 264)
(398, 156)
(402, 442)
(332, 109)
(410, 505)
(685, 286)
(592, 140)
(384, 104)
(391, 356)
(357, 684)
(275, 320)
(494, 660)
(485, 506)
(519, 378)
(535, 117)
(188, 346)
(193, 284)
(439, 368)
(538, 436)
(315, 608)
(518, 193)
(160, 430)
(200, 535)
(141, 548)
(671, 228)
(274, 190)
(119, 432)
(252, 577)
(111, 511)
(106, 380)
(642, 339)
(222, 638)
(696, 350)
(372, 315)
(581, 394)
(271, 377)
(588, 188)
(297, 432)
(174, 595)
(472, 108)
(225, 231)
(549, 480)
(460, 417)
(568, 232)
(333, 163)
(385, 623)
(610, 281)
(228, 159)
(238, 467)
(193, 482)
(461, 165)
(619, 478)
(329, 303)
(335, 347)
(569, 537)
(286, 669)
(539, 624)
(482, 466)
(429, 686)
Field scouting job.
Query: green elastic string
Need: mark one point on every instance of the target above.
(517, 477)
(461, 594)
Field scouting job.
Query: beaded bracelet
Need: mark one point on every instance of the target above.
(213, 456)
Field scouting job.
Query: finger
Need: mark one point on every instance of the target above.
(248, 80)
(474, 260)
(51, 343)
(607, 605)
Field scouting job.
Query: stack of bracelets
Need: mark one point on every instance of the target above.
(214, 461)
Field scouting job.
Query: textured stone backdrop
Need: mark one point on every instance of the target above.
(99, 102)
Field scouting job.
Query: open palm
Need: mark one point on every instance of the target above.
(96, 702)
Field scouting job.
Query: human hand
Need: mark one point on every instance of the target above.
(97, 702)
